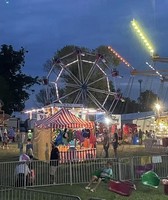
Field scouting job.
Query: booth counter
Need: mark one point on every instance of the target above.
(73, 154)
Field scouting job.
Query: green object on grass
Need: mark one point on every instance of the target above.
(150, 178)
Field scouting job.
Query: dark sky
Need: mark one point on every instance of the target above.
(44, 26)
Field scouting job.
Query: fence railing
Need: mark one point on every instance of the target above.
(9, 193)
(75, 172)
(156, 163)
(71, 172)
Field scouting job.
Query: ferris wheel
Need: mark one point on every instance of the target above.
(82, 78)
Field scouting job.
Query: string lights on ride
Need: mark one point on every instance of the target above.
(119, 56)
(142, 36)
(160, 75)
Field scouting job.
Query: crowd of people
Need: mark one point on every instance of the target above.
(24, 168)
(116, 138)
(142, 135)
(10, 135)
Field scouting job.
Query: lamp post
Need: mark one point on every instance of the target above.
(2, 112)
(140, 91)
(140, 86)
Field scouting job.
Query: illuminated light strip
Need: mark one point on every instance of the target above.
(118, 56)
(155, 70)
(142, 36)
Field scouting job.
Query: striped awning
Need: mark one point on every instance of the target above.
(64, 119)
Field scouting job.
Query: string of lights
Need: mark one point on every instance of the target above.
(119, 57)
(142, 36)
(157, 72)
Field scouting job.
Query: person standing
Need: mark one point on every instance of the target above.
(29, 149)
(106, 143)
(29, 134)
(1, 134)
(54, 162)
(12, 134)
(140, 133)
(115, 144)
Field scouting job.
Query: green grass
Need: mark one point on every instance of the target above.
(11, 154)
(142, 192)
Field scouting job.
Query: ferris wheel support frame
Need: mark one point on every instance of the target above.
(81, 85)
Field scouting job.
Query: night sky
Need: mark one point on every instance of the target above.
(44, 26)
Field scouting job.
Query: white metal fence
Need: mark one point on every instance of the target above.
(9, 193)
(74, 172)
(70, 172)
(140, 164)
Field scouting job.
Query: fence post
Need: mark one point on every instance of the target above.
(70, 172)
(132, 169)
(25, 175)
(119, 171)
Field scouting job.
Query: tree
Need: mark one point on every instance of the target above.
(126, 106)
(147, 100)
(67, 81)
(15, 85)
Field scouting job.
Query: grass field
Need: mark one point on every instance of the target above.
(142, 192)
(12, 153)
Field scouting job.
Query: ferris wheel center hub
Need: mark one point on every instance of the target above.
(84, 86)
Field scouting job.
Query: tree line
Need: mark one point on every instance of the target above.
(16, 87)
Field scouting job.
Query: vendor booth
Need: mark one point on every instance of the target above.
(72, 135)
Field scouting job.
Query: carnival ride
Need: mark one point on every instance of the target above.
(84, 78)
(155, 70)
(158, 77)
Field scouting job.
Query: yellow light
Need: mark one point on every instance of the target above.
(157, 106)
(142, 36)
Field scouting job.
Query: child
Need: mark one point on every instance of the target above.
(29, 149)
(5, 141)
(99, 175)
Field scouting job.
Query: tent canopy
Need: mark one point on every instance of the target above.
(64, 119)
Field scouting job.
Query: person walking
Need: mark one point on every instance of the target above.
(115, 144)
(106, 143)
(5, 141)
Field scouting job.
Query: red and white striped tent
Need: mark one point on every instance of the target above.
(64, 119)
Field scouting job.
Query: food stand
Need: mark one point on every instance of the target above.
(161, 130)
